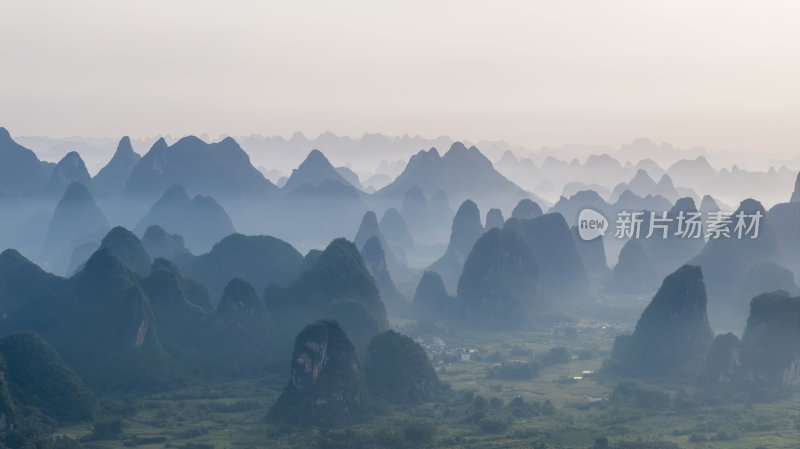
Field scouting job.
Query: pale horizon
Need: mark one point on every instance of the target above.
(719, 75)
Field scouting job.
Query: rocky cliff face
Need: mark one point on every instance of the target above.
(325, 387)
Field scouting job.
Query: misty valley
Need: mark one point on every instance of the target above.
(188, 298)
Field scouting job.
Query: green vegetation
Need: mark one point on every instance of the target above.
(37, 377)
(337, 286)
(399, 370)
(171, 371)
(578, 415)
(125, 245)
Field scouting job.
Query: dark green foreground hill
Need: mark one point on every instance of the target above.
(399, 370)
(36, 376)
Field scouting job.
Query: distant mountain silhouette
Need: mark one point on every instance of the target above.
(369, 228)
(415, 207)
(221, 170)
(526, 209)
(312, 215)
(466, 230)
(672, 337)
(375, 261)
(68, 170)
(668, 254)
(634, 272)
(784, 219)
(80, 254)
(76, 220)
(439, 210)
(395, 230)
(593, 255)
(337, 286)
(494, 219)
(761, 277)
(697, 173)
(561, 270)
(21, 171)
(796, 193)
(351, 177)
(516, 169)
(630, 202)
(431, 301)
(314, 170)
(431, 172)
(642, 147)
(259, 260)
(571, 207)
(724, 259)
(159, 243)
(571, 188)
(376, 181)
(641, 184)
(125, 245)
(428, 221)
(708, 204)
(651, 167)
(666, 189)
(498, 289)
(201, 221)
(110, 180)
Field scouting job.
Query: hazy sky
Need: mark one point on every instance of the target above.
(722, 74)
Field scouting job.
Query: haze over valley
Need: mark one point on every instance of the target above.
(377, 225)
